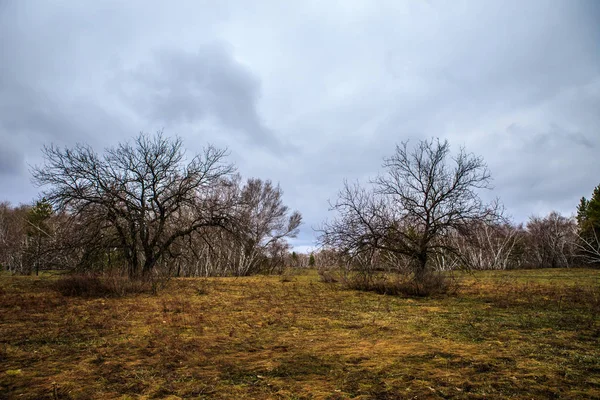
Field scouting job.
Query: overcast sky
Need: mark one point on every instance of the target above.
(307, 93)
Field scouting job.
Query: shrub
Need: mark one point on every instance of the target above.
(94, 285)
(434, 283)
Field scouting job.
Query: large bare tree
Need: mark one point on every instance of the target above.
(145, 195)
(424, 195)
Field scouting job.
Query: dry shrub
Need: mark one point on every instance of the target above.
(433, 283)
(95, 285)
(327, 275)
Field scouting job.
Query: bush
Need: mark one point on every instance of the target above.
(433, 283)
(94, 285)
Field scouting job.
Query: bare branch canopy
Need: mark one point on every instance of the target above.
(423, 195)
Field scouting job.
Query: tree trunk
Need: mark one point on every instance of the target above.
(421, 268)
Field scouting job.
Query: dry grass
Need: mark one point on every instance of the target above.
(523, 334)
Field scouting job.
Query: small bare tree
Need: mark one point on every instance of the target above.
(263, 222)
(143, 194)
(13, 237)
(487, 246)
(551, 241)
(424, 196)
(588, 246)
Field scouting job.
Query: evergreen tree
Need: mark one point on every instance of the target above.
(588, 212)
(588, 222)
(38, 231)
(311, 260)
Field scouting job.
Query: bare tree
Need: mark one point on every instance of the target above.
(488, 245)
(143, 194)
(551, 241)
(588, 246)
(263, 222)
(34, 238)
(256, 238)
(423, 196)
(13, 237)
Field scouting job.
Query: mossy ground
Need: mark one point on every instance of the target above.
(521, 334)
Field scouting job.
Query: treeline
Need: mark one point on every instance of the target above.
(551, 241)
(144, 209)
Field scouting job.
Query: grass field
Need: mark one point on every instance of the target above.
(521, 334)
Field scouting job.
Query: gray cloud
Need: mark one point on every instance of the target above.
(310, 93)
(185, 87)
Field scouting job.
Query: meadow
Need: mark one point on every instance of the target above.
(505, 334)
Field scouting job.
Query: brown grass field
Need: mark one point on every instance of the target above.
(513, 334)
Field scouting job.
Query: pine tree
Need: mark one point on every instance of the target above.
(38, 230)
(311, 260)
(582, 212)
(588, 212)
(588, 223)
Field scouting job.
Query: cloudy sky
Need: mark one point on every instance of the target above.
(307, 93)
